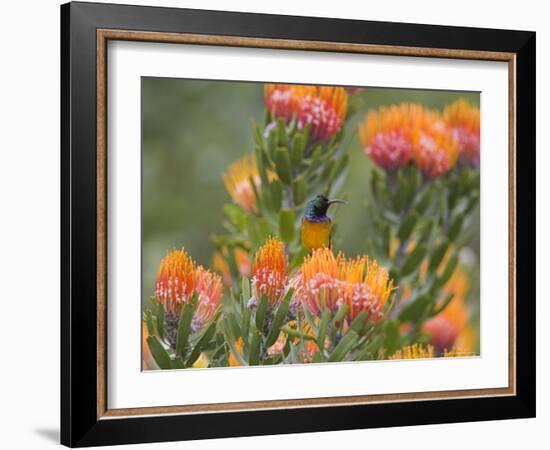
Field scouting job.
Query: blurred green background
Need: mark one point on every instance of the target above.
(193, 129)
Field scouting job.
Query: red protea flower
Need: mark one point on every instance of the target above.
(323, 108)
(387, 135)
(269, 272)
(179, 277)
(327, 281)
(435, 149)
(463, 120)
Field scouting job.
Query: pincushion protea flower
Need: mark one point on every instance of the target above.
(415, 351)
(435, 149)
(463, 120)
(386, 135)
(327, 281)
(269, 272)
(323, 108)
(395, 135)
(238, 179)
(178, 278)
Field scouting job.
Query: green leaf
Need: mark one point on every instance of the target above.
(278, 319)
(149, 322)
(437, 255)
(391, 338)
(281, 133)
(297, 334)
(437, 309)
(245, 288)
(449, 269)
(424, 201)
(415, 309)
(306, 131)
(315, 159)
(340, 315)
(329, 166)
(255, 347)
(407, 226)
(299, 189)
(276, 189)
(298, 146)
(235, 215)
(202, 343)
(455, 227)
(344, 346)
(358, 324)
(254, 233)
(272, 143)
(286, 224)
(426, 231)
(233, 324)
(371, 348)
(323, 325)
(258, 138)
(184, 323)
(161, 356)
(282, 165)
(245, 326)
(413, 260)
(177, 363)
(261, 313)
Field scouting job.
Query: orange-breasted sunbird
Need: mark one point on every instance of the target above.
(316, 225)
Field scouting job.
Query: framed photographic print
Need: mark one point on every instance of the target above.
(277, 224)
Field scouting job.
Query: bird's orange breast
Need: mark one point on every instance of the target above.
(316, 234)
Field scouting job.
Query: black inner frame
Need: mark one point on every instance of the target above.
(79, 423)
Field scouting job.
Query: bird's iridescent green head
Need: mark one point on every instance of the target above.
(317, 207)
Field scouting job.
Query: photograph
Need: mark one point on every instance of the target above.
(283, 223)
(296, 224)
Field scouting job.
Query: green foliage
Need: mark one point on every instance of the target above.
(175, 344)
(403, 206)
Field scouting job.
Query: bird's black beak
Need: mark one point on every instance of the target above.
(331, 202)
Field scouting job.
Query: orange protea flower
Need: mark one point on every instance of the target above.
(463, 120)
(415, 351)
(387, 135)
(449, 324)
(220, 265)
(435, 149)
(179, 277)
(238, 178)
(327, 281)
(269, 271)
(323, 108)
